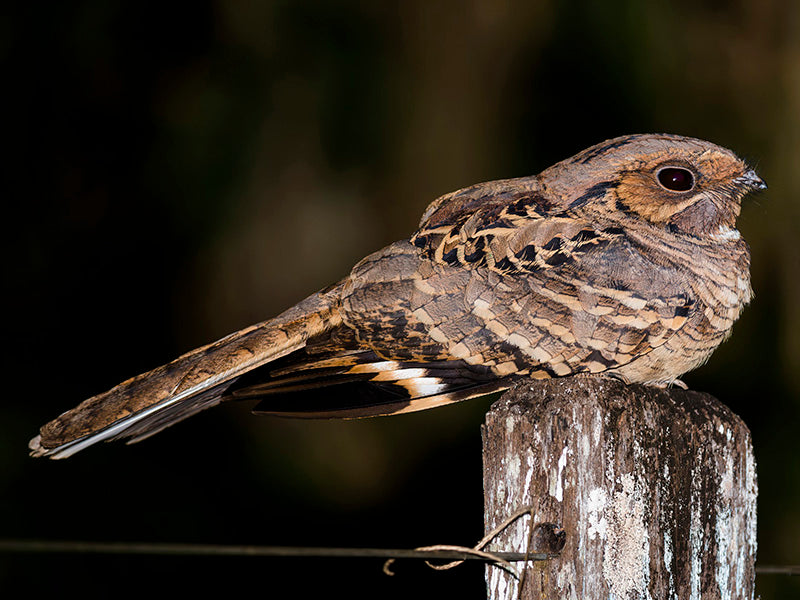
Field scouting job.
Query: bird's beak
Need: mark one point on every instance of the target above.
(752, 180)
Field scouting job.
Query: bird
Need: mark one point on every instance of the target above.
(622, 261)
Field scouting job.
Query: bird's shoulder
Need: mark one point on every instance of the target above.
(509, 226)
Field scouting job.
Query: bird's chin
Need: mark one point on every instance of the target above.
(705, 218)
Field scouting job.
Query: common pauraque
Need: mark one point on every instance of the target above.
(623, 260)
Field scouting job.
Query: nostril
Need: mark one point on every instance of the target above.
(751, 179)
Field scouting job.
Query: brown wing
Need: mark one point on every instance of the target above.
(514, 282)
(388, 359)
(336, 376)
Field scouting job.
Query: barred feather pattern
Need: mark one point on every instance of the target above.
(598, 265)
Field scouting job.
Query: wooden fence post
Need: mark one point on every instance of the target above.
(654, 489)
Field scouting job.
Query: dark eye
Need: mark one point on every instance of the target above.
(676, 179)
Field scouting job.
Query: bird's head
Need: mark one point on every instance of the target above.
(684, 184)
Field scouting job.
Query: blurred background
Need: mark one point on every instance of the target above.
(173, 172)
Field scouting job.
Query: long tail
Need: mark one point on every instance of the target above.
(147, 403)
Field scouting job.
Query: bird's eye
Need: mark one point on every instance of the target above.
(676, 179)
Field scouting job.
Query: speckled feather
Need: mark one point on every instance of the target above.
(592, 266)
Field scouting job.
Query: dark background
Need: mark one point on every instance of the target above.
(173, 172)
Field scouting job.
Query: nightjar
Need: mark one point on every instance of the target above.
(623, 260)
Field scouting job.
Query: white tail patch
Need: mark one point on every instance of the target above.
(410, 373)
(423, 386)
(375, 367)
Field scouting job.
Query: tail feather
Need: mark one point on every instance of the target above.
(304, 363)
(147, 403)
(369, 400)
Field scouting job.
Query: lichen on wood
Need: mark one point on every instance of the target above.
(655, 489)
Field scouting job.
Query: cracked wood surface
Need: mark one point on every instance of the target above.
(655, 489)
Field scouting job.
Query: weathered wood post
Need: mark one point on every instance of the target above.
(655, 490)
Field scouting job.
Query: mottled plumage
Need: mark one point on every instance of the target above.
(623, 260)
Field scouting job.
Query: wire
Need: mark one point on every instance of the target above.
(165, 549)
(76, 547)
(778, 570)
